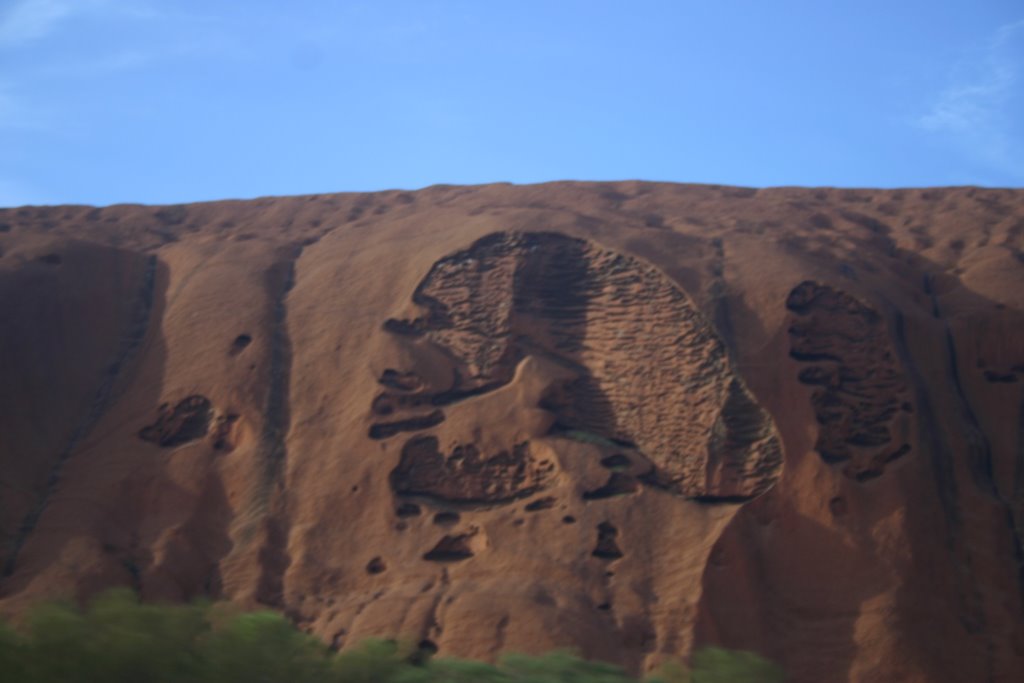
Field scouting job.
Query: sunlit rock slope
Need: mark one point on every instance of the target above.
(628, 418)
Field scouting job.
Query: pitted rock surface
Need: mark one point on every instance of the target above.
(466, 475)
(860, 391)
(650, 370)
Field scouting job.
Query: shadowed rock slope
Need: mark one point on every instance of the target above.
(628, 418)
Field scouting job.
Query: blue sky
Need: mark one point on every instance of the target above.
(162, 101)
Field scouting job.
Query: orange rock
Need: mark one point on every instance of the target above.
(629, 418)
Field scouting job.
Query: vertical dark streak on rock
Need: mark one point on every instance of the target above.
(130, 343)
(273, 450)
(979, 450)
(717, 291)
(1013, 520)
(929, 291)
(1018, 475)
(979, 462)
(934, 444)
(1016, 506)
(432, 625)
(721, 317)
(276, 416)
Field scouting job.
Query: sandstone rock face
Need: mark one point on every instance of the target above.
(628, 418)
(644, 368)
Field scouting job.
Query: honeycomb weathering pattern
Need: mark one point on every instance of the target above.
(861, 393)
(650, 371)
(465, 476)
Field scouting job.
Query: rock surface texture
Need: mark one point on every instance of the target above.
(628, 418)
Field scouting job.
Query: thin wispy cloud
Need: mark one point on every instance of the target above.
(147, 35)
(30, 20)
(979, 108)
(27, 21)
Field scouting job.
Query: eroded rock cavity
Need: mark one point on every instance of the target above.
(861, 396)
(187, 421)
(649, 371)
(466, 475)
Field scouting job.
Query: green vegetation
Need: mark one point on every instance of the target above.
(117, 639)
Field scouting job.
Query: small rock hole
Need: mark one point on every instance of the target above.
(446, 518)
(615, 462)
(540, 504)
(606, 547)
(450, 549)
(407, 510)
(241, 341)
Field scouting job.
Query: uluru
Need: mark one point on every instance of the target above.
(627, 418)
